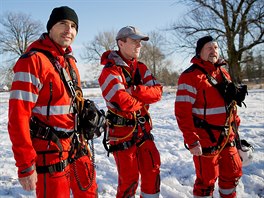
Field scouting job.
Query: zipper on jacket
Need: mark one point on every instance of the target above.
(48, 106)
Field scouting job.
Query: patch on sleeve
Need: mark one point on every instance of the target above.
(28, 54)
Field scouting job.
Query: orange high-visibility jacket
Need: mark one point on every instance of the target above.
(122, 99)
(195, 96)
(37, 90)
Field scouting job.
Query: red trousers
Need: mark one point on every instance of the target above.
(226, 166)
(136, 161)
(77, 176)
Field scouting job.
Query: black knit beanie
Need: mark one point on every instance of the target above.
(61, 13)
(201, 42)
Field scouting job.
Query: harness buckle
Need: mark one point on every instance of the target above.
(119, 121)
(138, 113)
(43, 133)
(233, 144)
(62, 165)
(142, 120)
(126, 145)
(70, 84)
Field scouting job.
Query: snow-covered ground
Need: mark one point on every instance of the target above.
(177, 171)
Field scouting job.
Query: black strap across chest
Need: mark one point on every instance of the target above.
(209, 77)
(70, 82)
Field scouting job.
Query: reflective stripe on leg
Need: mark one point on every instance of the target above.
(227, 193)
(145, 195)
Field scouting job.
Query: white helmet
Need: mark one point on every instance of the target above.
(246, 153)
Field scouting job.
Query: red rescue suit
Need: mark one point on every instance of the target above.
(196, 97)
(38, 91)
(135, 152)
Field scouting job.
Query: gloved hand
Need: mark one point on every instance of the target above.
(29, 183)
(137, 78)
(196, 149)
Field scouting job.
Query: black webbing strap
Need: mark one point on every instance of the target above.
(58, 167)
(128, 77)
(122, 146)
(130, 143)
(40, 130)
(213, 149)
(115, 119)
(200, 123)
(210, 78)
(135, 139)
(68, 82)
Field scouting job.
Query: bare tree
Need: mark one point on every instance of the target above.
(236, 24)
(94, 49)
(102, 42)
(18, 31)
(151, 53)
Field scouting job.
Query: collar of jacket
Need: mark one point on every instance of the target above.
(116, 58)
(128, 62)
(45, 43)
(208, 66)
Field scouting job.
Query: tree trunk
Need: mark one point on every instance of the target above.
(234, 68)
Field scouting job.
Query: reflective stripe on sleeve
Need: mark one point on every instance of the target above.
(23, 95)
(187, 87)
(27, 77)
(54, 110)
(113, 90)
(209, 111)
(107, 81)
(151, 82)
(185, 98)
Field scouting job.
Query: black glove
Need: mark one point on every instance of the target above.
(137, 78)
(236, 92)
(92, 120)
(241, 94)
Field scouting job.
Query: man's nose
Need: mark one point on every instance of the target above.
(68, 27)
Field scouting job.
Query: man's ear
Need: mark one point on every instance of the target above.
(120, 43)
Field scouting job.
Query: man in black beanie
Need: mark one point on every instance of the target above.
(51, 155)
(203, 116)
(62, 13)
(201, 42)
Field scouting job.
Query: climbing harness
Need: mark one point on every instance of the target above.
(80, 143)
(232, 95)
(115, 120)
